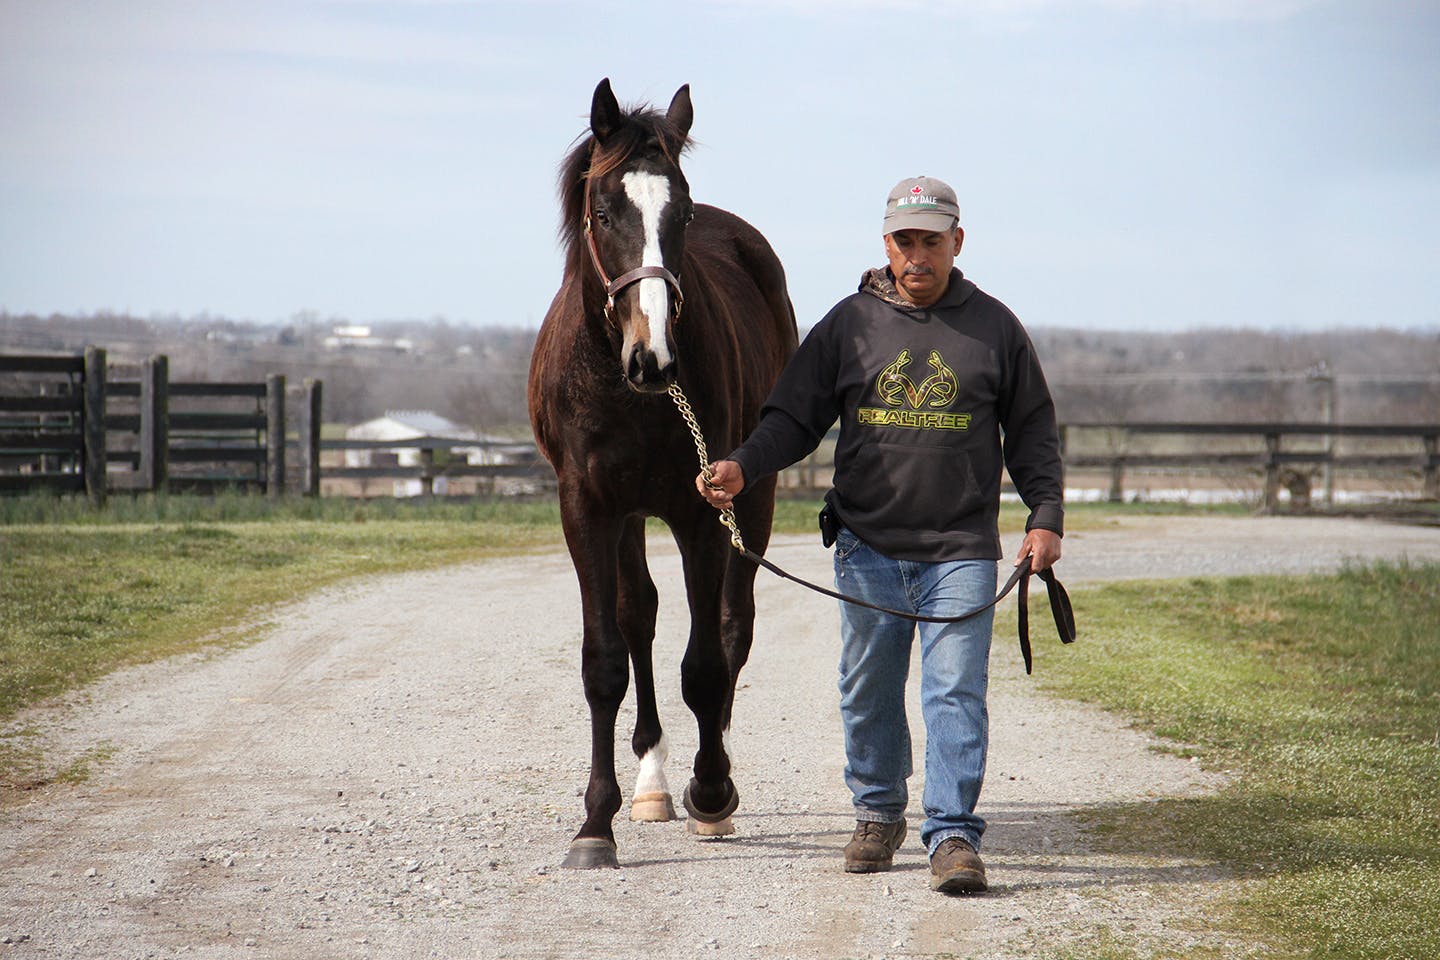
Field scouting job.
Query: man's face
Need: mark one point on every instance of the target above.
(921, 262)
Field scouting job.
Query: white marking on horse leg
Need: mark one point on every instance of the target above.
(729, 750)
(652, 769)
(650, 192)
(652, 802)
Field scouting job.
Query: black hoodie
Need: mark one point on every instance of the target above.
(923, 396)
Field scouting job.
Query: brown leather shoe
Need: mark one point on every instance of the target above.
(873, 846)
(955, 867)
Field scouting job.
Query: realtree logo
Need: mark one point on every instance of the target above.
(907, 403)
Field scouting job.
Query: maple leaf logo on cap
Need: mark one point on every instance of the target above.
(916, 189)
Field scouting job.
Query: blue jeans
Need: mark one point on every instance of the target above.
(874, 663)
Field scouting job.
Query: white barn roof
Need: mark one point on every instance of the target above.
(410, 425)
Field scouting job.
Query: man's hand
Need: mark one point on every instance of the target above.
(1042, 547)
(726, 480)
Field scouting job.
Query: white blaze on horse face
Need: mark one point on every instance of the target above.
(651, 778)
(650, 192)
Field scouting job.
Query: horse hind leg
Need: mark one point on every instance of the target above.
(638, 602)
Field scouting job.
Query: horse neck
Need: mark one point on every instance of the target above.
(579, 330)
(592, 291)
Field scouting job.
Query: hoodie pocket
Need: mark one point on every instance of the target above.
(960, 499)
(916, 489)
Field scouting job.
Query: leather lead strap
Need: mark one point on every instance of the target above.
(1060, 607)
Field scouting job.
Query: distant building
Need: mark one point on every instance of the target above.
(352, 336)
(420, 429)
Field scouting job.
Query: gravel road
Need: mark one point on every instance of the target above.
(396, 769)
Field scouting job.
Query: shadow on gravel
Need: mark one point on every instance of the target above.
(1029, 847)
(1296, 833)
(1047, 846)
(756, 833)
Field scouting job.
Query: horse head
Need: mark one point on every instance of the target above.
(636, 208)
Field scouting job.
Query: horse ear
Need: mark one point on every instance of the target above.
(680, 113)
(604, 111)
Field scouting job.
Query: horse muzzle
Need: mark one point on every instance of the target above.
(644, 316)
(646, 370)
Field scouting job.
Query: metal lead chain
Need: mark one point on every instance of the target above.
(727, 514)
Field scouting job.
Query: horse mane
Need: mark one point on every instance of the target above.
(640, 126)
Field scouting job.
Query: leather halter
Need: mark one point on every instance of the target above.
(613, 287)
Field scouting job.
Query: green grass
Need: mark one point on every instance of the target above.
(239, 507)
(1321, 697)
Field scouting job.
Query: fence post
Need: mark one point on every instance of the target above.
(1431, 487)
(1272, 473)
(309, 433)
(155, 423)
(1117, 480)
(93, 419)
(275, 435)
(427, 471)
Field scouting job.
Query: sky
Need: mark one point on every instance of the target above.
(1121, 164)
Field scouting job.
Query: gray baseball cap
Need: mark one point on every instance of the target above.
(921, 203)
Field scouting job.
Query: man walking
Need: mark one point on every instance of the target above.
(935, 385)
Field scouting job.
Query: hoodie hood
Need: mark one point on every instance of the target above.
(879, 282)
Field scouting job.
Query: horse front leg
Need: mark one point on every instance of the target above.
(737, 614)
(593, 545)
(706, 683)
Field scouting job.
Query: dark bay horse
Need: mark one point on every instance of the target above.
(604, 359)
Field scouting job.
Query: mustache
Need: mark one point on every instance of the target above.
(914, 271)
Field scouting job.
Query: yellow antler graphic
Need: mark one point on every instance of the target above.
(892, 384)
(939, 388)
(896, 389)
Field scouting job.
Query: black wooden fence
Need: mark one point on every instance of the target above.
(67, 424)
(52, 427)
(1279, 462)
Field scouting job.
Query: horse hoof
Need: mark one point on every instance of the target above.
(591, 853)
(706, 823)
(699, 828)
(654, 807)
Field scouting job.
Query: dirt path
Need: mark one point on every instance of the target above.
(395, 772)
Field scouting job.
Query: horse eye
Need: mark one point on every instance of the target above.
(602, 218)
(690, 213)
